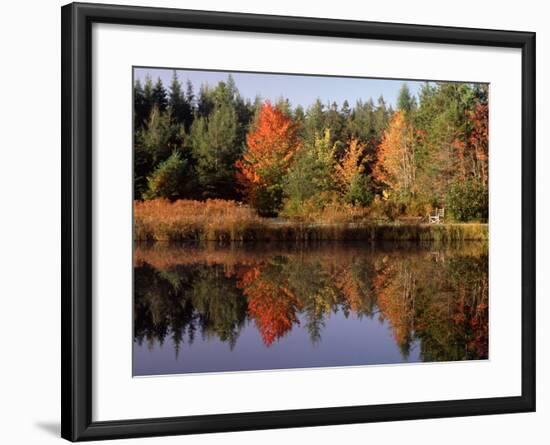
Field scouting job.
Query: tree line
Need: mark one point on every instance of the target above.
(429, 152)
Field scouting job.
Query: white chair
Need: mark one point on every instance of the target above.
(437, 217)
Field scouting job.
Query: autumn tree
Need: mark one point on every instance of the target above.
(349, 175)
(473, 145)
(396, 162)
(271, 145)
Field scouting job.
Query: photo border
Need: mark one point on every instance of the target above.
(76, 248)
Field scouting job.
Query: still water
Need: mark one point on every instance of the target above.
(215, 309)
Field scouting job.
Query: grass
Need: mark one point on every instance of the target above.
(228, 221)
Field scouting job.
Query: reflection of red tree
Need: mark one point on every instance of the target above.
(272, 306)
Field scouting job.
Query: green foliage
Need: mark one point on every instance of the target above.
(178, 104)
(269, 200)
(360, 191)
(468, 201)
(405, 101)
(315, 121)
(160, 96)
(310, 174)
(215, 151)
(153, 144)
(168, 180)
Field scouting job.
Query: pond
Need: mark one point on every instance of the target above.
(278, 306)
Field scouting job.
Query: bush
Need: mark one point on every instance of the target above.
(168, 179)
(468, 201)
(360, 191)
(267, 199)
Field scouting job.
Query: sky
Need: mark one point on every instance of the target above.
(298, 89)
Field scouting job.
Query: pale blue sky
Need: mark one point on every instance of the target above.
(299, 90)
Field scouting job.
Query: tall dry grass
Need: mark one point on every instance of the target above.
(212, 220)
(228, 221)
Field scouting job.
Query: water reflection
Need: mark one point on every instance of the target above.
(243, 308)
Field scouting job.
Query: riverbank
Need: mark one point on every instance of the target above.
(226, 222)
(269, 231)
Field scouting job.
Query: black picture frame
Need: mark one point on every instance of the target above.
(76, 248)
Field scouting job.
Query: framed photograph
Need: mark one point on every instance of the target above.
(273, 222)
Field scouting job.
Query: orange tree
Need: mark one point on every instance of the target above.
(396, 162)
(271, 144)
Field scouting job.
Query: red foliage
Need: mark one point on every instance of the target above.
(272, 306)
(271, 144)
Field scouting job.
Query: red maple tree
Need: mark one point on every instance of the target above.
(271, 144)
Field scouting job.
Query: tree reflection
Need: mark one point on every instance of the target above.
(434, 297)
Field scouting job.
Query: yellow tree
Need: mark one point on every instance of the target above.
(350, 178)
(396, 165)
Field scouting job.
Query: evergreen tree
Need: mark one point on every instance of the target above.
(139, 106)
(405, 101)
(346, 110)
(153, 144)
(169, 178)
(299, 119)
(381, 117)
(148, 99)
(160, 96)
(205, 103)
(315, 121)
(335, 123)
(215, 151)
(179, 107)
(190, 94)
(310, 176)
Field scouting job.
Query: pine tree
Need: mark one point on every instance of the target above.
(215, 150)
(189, 94)
(139, 106)
(310, 175)
(153, 144)
(176, 100)
(315, 121)
(335, 123)
(148, 98)
(168, 179)
(405, 101)
(160, 96)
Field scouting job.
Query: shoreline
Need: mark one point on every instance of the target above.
(290, 231)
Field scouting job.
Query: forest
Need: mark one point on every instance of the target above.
(329, 161)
